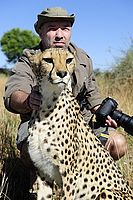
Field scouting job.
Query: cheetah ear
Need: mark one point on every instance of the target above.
(74, 53)
(34, 60)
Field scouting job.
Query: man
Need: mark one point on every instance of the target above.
(54, 26)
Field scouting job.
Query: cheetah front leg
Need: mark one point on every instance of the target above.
(44, 191)
(57, 192)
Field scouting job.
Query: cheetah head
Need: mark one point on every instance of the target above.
(54, 65)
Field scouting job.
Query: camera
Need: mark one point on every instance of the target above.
(109, 107)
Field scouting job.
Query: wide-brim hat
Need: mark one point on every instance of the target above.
(53, 14)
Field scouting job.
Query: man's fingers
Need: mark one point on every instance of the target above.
(111, 122)
(35, 100)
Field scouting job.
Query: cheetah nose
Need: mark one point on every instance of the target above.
(61, 74)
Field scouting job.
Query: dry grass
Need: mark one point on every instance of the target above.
(8, 128)
(123, 93)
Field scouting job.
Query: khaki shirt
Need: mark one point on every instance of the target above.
(22, 78)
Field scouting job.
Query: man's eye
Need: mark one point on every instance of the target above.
(52, 29)
(69, 60)
(66, 28)
(48, 60)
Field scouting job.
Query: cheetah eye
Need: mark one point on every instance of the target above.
(48, 60)
(69, 60)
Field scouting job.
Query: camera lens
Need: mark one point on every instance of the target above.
(117, 115)
(108, 107)
(123, 120)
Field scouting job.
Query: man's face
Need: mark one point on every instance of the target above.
(55, 34)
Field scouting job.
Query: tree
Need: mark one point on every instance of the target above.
(15, 41)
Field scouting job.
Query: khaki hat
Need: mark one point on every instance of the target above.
(53, 14)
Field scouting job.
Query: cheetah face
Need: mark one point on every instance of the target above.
(55, 65)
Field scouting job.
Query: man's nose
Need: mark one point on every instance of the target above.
(59, 33)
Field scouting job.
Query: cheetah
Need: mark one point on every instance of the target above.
(71, 162)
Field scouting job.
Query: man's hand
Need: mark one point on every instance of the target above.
(34, 99)
(22, 102)
(110, 122)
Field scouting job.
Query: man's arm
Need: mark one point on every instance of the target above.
(19, 102)
(23, 103)
(19, 86)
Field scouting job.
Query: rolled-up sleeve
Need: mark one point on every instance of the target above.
(21, 78)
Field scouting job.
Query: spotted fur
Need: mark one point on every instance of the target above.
(67, 155)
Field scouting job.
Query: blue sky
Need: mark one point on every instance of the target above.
(102, 28)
